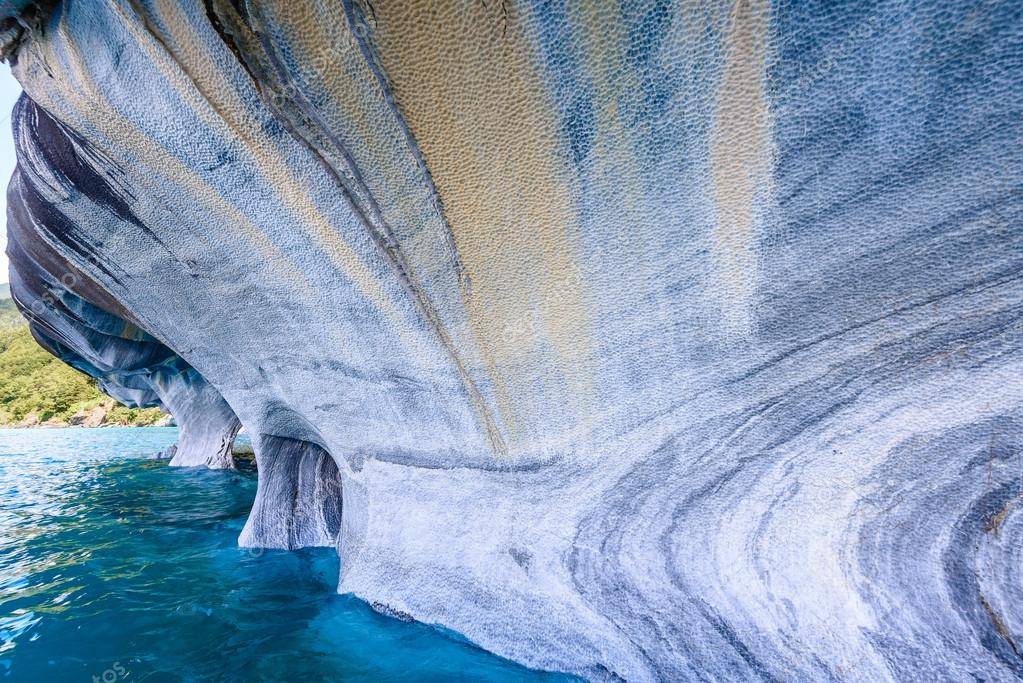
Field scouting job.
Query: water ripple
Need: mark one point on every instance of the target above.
(111, 563)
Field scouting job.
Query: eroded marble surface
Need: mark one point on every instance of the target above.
(656, 341)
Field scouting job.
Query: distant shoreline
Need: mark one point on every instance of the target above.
(38, 390)
(71, 426)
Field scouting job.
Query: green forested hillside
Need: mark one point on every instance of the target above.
(37, 388)
(9, 316)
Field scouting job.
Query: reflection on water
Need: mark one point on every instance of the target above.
(121, 568)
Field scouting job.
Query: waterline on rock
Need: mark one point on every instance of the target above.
(114, 566)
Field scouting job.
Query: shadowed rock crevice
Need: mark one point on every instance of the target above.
(206, 424)
(298, 501)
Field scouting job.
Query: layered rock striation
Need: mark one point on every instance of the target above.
(653, 341)
(73, 316)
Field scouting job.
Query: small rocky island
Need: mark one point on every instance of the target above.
(648, 342)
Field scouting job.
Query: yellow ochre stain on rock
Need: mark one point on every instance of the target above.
(352, 111)
(740, 161)
(86, 101)
(188, 72)
(464, 79)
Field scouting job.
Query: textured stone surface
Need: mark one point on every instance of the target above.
(659, 341)
(73, 316)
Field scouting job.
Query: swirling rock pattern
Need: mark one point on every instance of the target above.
(74, 317)
(655, 341)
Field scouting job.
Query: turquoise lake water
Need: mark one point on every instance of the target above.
(118, 568)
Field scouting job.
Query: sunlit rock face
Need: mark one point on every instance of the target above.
(660, 341)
